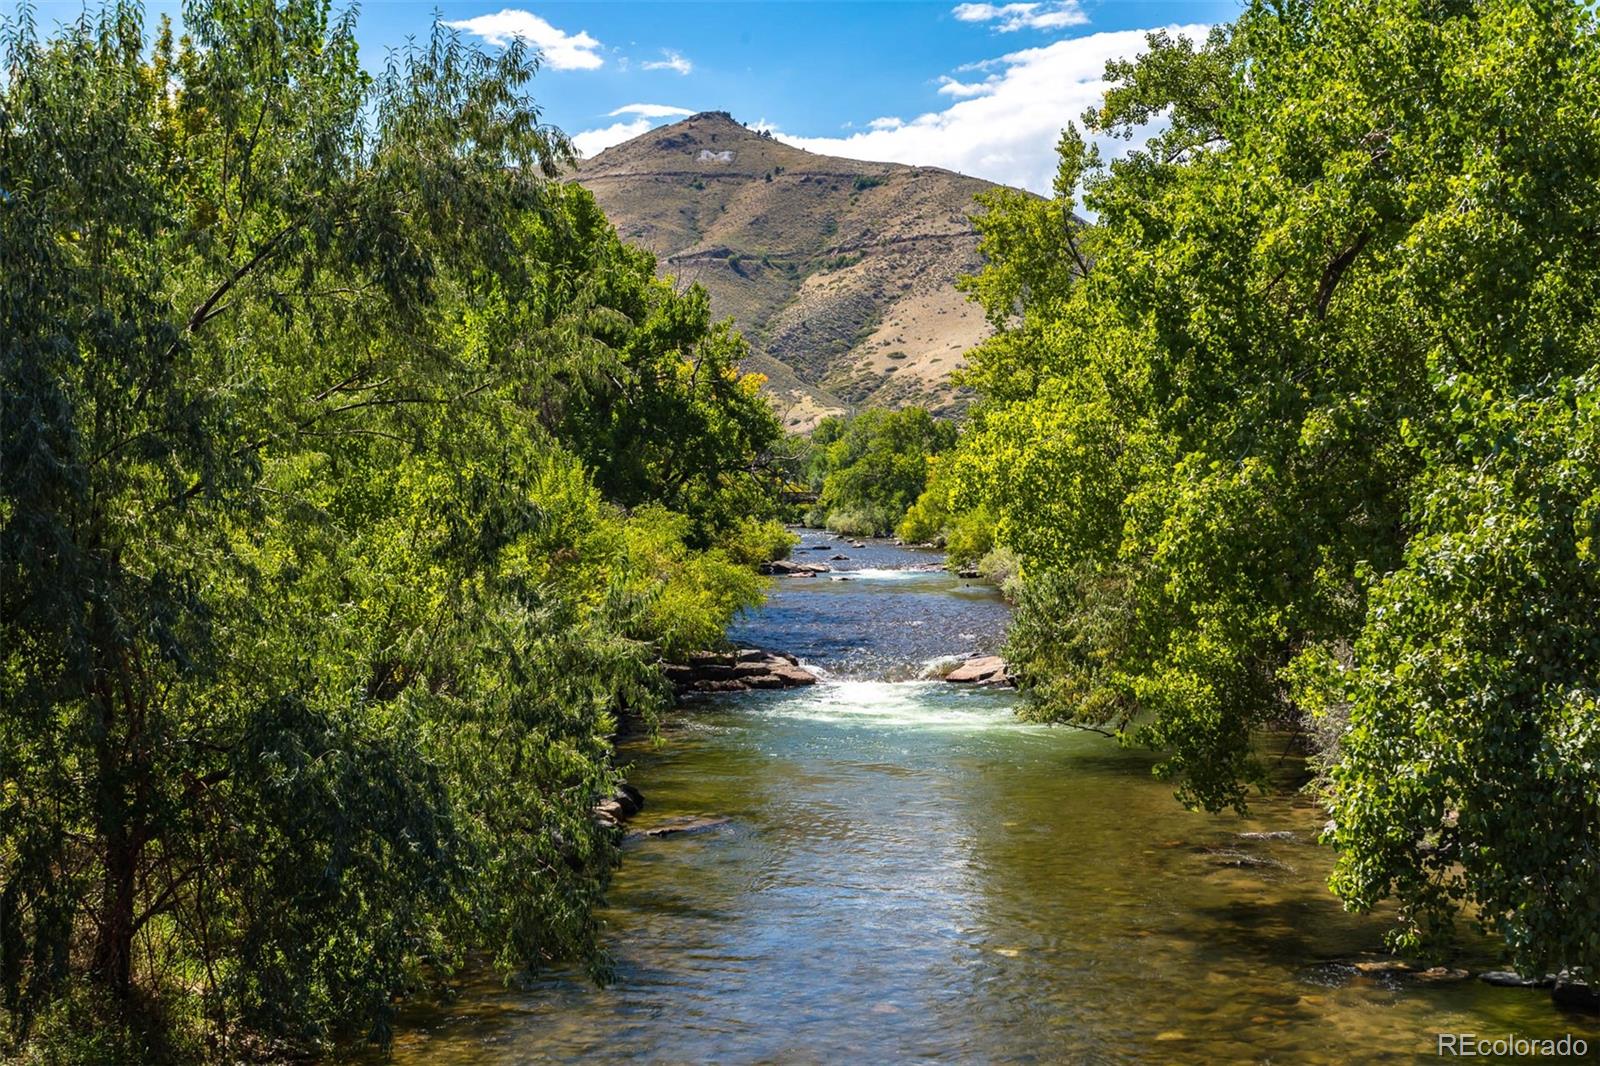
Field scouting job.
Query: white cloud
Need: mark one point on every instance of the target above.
(887, 123)
(949, 86)
(593, 142)
(1008, 18)
(673, 62)
(1008, 133)
(561, 50)
(651, 111)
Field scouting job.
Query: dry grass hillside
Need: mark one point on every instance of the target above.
(841, 273)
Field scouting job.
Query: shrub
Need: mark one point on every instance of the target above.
(970, 537)
(753, 541)
(859, 522)
(1001, 568)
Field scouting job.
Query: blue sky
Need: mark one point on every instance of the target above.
(981, 88)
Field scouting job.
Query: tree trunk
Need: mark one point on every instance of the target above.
(113, 955)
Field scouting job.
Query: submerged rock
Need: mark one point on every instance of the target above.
(1442, 975)
(1232, 857)
(981, 670)
(686, 824)
(1381, 966)
(738, 671)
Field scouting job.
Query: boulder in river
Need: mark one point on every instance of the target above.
(621, 805)
(738, 671)
(980, 670)
(788, 568)
(1511, 979)
(1576, 996)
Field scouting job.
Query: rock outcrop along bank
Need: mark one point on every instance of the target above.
(738, 671)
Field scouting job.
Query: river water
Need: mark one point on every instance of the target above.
(909, 872)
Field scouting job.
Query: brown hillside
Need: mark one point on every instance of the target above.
(841, 273)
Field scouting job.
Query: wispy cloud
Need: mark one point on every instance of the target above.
(1008, 18)
(561, 50)
(1007, 132)
(672, 61)
(887, 123)
(650, 111)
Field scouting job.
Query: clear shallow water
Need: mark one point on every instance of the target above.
(908, 872)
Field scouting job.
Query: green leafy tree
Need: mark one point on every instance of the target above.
(319, 605)
(1228, 431)
(1468, 771)
(871, 468)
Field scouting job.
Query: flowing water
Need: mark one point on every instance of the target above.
(909, 872)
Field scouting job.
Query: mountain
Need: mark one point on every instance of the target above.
(841, 273)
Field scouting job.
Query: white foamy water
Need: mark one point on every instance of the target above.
(878, 573)
(898, 705)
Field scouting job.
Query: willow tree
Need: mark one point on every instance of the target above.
(1300, 432)
(313, 628)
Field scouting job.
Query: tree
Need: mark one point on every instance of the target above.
(871, 468)
(1224, 429)
(316, 616)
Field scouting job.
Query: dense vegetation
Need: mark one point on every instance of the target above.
(1304, 431)
(867, 470)
(355, 478)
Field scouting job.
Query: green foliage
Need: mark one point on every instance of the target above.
(863, 522)
(927, 519)
(322, 404)
(864, 182)
(689, 597)
(870, 469)
(1468, 772)
(1002, 569)
(966, 535)
(751, 541)
(1294, 425)
(969, 537)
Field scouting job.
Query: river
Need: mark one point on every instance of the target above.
(909, 872)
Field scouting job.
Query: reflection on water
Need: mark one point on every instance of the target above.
(909, 872)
